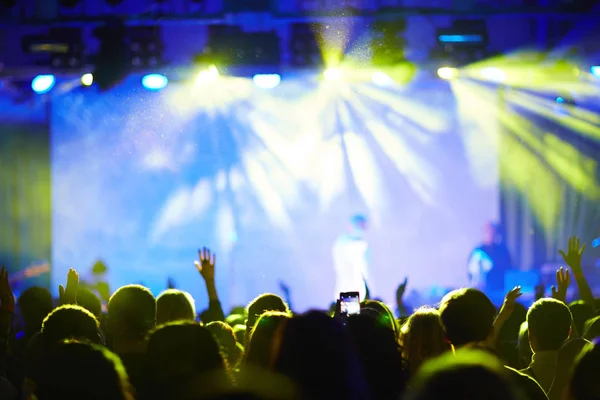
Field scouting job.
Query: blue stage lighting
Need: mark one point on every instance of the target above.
(267, 81)
(560, 100)
(470, 39)
(154, 82)
(43, 83)
(595, 70)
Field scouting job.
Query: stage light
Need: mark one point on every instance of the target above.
(267, 81)
(43, 83)
(209, 75)
(87, 79)
(154, 82)
(332, 74)
(560, 100)
(493, 74)
(381, 78)
(595, 70)
(447, 73)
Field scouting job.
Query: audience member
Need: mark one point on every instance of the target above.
(315, 351)
(174, 305)
(469, 374)
(35, 303)
(468, 318)
(131, 316)
(77, 370)
(379, 356)
(184, 361)
(258, 351)
(70, 322)
(585, 384)
(226, 338)
(423, 338)
(88, 300)
(549, 322)
(581, 312)
(565, 361)
(261, 304)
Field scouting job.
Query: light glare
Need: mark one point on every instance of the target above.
(332, 74)
(267, 81)
(87, 79)
(209, 75)
(595, 70)
(154, 82)
(381, 78)
(43, 83)
(493, 74)
(447, 73)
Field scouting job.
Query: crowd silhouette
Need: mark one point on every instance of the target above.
(140, 347)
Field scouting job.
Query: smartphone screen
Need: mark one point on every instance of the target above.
(349, 303)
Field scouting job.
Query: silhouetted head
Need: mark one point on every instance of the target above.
(468, 316)
(261, 304)
(226, 339)
(382, 313)
(88, 300)
(591, 329)
(585, 384)
(581, 312)
(549, 322)
(423, 338)
(379, 355)
(182, 358)
(174, 305)
(315, 351)
(131, 313)
(470, 374)
(70, 322)
(35, 303)
(523, 348)
(75, 370)
(259, 345)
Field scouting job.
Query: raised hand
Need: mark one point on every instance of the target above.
(6, 294)
(206, 264)
(401, 290)
(574, 253)
(509, 301)
(563, 280)
(68, 294)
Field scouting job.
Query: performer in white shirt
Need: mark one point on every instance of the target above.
(351, 259)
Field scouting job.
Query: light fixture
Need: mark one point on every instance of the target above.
(87, 79)
(267, 81)
(154, 82)
(43, 83)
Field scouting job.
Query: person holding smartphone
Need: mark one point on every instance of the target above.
(351, 259)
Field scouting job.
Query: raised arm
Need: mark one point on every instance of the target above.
(206, 268)
(573, 259)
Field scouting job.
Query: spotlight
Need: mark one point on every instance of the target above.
(267, 81)
(154, 82)
(332, 74)
(493, 74)
(447, 73)
(207, 76)
(87, 79)
(595, 70)
(381, 78)
(43, 83)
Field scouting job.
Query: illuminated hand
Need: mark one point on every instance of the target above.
(563, 280)
(68, 295)
(6, 294)
(509, 301)
(206, 265)
(574, 253)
